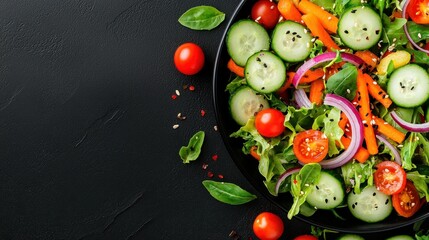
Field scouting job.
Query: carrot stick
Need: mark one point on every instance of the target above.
(289, 11)
(343, 121)
(388, 130)
(361, 155)
(254, 153)
(377, 92)
(328, 21)
(365, 114)
(233, 67)
(368, 57)
(317, 30)
(282, 91)
(312, 75)
(316, 91)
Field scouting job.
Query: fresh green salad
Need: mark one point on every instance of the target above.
(332, 98)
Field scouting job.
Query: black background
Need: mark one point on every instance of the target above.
(88, 149)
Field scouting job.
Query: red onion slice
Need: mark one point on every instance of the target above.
(412, 127)
(396, 155)
(404, 13)
(283, 177)
(324, 57)
(357, 128)
(301, 98)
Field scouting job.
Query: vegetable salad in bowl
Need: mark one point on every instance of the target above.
(330, 98)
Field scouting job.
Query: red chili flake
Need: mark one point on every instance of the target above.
(210, 174)
(295, 181)
(203, 113)
(205, 165)
(215, 157)
(220, 176)
(191, 88)
(174, 96)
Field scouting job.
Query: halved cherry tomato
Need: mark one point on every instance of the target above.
(306, 237)
(266, 13)
(310, 146)
(390, 177)
(270, 122)
(407, 202)
(268, 226)
(418, 10)
(189, 58)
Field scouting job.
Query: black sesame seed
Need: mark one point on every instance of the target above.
(367, 38)
(377, 32)
(365, 125)
(387, 201)
(354, 10)
(298, 36)
(353, 206)
(374, 194)
(294, 33)
(258, 59)
(365, 29)
(331, 120)
(346, 32)
(293, 39)
(265, 65)
(317, 187)
(412, 87)
(326, 200)
(335, 198)
(288, 32)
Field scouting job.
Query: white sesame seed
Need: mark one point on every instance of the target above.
(419, 35)
(374, 82)
(258, 18)
(348, 91)
(272, 7)
(400, 145)
(175, 126)
(374, 59)
(215, 128)
(329, 18)
(364, 121)
(177, 93)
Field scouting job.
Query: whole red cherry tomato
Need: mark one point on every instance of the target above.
(189, 58)
(265, 13)
(268, 226)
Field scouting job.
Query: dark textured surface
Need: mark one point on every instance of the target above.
(87, 145)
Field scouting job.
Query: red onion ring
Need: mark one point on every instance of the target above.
(396, 155)
(357, 128)
(412, 127)
(404, 13)
(301, 98)
(324, 57)
(283, 177)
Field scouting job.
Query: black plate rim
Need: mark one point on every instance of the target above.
(249, 177)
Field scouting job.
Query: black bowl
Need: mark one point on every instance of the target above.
(248, 166)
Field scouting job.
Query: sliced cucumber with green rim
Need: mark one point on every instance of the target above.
(370, 205)
(265, 72)
(244, 103)
(328, 193)
(360, 27)
(291, 41)
(244, 39)
(408, 86)
(350, 236)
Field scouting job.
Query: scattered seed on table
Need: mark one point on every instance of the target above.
(204, 166)
(177, 93)
(210, 174)
(174, 96)
(215, 157)
(215, 128)
(220, 176)
(203, 113)
(175, 126)
(191, 88)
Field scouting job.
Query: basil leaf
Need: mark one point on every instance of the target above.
(202, 18)
(302, 183)
(192, 151)
(228, 192)
(343, 83)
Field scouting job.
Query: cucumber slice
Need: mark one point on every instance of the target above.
(360, 27)
(265, 72)
(244, 103)
(244, 39)
(328, 193)
(401, 237)
(370, 205)
(291, 41)
(408, 86)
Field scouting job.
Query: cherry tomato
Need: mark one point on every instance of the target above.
(268, 226)
(390, 177)
(418, 10)
(306, 237)
(265, 13)
(270, 122)
(407, 202)
(310, 146)
(189, 58)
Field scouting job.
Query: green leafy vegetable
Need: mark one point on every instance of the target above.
(355, 174)
(343, 83)
(228, 193)
(332, 130)
(192, 151)
(302, 183)
(235, 84)
(202, 18)
(407, 152)
(420, 182)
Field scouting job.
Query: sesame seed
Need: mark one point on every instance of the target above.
(329, 18)
(175, 126)
(348, 91)
(177, 93)
(215, 128)
(419, 35)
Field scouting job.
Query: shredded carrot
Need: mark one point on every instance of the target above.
(254, 153)
(312, 75)
(388, 130)
(368, 57)
(365, 114)
(316, 91)
(328, 21)
(317, 30)
(289, 11)
(233, 67)
(377, 92)
(282, 91)
(343, 121)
